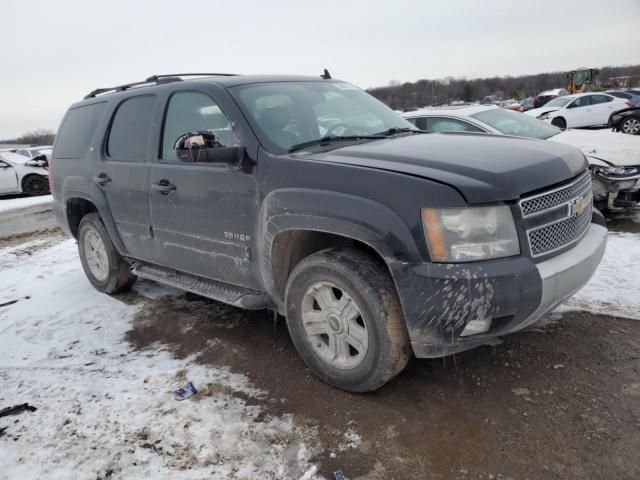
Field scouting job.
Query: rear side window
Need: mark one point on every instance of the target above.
(620, 95)
(595, 99)
(129, 135)
(77, 130)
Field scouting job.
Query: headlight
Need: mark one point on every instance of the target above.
(617, 171)
(34, 163)
(544, 116)
(470, 234)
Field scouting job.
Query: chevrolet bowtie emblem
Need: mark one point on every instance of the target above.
(578, 206)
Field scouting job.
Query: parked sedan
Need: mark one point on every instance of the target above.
(36, 151)
(614, 159)
(580, 110)
(19, 174)
(626, 121)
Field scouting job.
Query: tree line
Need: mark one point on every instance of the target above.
(442, 91)
(40, 136)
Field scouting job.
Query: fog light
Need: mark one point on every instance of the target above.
(476, 326)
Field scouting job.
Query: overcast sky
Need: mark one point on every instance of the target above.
(54, 52)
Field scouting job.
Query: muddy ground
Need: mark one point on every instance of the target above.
(558, 401)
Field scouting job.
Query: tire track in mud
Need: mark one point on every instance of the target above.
(508, 410)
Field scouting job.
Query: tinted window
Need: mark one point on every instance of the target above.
(192, 112)
(595, 99)
(129, 133)
(581, 102)
(285, 114)
(77, 130)
(620, 95)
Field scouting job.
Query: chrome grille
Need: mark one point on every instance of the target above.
(546, 200)
(552, 237)
(574, 203)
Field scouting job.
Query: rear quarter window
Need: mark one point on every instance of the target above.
(129, 133)
(77, 130)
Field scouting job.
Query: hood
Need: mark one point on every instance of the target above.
(536, 112)
(612, 147)
(14, 158)
(484, 168)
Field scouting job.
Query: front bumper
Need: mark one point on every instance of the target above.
(611, 192)
(440, 300)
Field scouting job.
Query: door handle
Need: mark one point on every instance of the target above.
(164, 186)
(102, 179)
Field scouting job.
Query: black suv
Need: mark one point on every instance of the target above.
(309, 197)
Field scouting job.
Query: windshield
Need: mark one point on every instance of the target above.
(514, 123)
(558, 102)
(286, 114)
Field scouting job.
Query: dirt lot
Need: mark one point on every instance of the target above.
(558, 401)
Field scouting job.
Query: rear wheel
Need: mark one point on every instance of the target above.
(559, 122)
(35, 185)
(345, 320)
(107, 271)
(630, 125)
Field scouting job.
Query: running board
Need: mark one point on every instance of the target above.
(222, 292)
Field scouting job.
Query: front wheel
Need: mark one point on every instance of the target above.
(107, 271)
(630, 125)
(345, 320)
(559, 122)
(35, 185)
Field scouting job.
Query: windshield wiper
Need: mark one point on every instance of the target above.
(395, 130)
(331, 139)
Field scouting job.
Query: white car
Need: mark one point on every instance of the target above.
(580, 110)
(33, 152)
(614, 158)
(19, 174)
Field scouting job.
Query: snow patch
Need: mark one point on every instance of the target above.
(22, 202)
(613, 290)
(106, 410)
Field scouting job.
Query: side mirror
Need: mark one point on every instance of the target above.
(204, 147)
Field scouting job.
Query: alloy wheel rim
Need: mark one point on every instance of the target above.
(631, 126)
(96, 255)
(334, 326)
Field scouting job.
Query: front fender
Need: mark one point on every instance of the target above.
(350, 216)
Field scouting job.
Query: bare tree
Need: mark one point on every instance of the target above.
(40, 136)
(437, 92)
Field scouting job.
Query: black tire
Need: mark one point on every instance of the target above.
(559, 122)
(373, 291)
(119, 276)
(630, 125)
(35, 185)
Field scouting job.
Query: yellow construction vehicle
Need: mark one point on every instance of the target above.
(582, 80)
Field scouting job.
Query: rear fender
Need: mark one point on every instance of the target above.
(78, 187)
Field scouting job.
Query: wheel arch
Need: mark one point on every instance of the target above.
(298, 222)
(77, 204)
(28, 176)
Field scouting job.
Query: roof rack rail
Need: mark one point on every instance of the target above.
(155, 79)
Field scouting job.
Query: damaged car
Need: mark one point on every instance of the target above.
(20, 174)
(309, 197)
(614, 160)
(626, 121)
